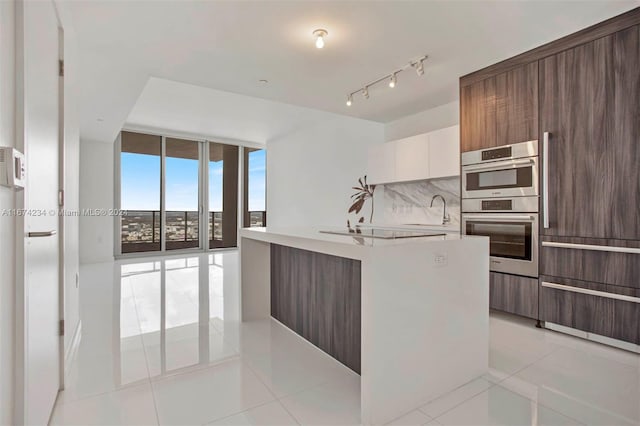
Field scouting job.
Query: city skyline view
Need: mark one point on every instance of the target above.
(140, 183)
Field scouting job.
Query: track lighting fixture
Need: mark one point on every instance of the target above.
(417, 64)
(320, 35)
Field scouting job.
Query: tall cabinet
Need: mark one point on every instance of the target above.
(580, 97)
(590, 107)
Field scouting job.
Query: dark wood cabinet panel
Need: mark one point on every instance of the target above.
(514, 294)
(478, 116)
(517, 105)
(291, 281)
(318, 297)
(614, 268)
(594, 314)
(335, 322)
(589, 103)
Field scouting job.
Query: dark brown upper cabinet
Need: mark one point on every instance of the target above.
(478, 115)
(589, 104)
(517, 105)
(500, 110)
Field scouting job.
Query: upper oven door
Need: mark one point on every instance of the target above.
(513, 240)
(510, 178)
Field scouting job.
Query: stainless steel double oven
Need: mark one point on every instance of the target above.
(500, 200)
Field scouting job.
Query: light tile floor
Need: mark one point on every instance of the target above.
(161, 344)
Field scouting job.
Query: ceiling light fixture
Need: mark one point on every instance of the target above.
(417, 64)
(320, 35)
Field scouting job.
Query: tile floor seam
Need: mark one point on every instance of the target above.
(114, 391)
(491, 384)
(146, 359)
(409, 412)
(528, 365)
(216, 365)
(126, 387)
(161, 378)
(144, 351)
(277, 399)
(289, 412)
(217, 419)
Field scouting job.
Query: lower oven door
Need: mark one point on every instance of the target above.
(513, 240)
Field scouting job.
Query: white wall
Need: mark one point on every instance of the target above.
(310, 172)
(96, 192)
(425, 121)
(7, 223)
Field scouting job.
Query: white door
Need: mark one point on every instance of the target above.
(39, 351)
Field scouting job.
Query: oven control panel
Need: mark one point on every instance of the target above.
(500, 205)
(493, 205)
(496, 154)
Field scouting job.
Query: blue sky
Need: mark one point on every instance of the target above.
(141, 183)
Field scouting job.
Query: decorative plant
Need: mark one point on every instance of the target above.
(365, 192)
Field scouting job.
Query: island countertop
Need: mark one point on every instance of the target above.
(410, 314)
(351, 246)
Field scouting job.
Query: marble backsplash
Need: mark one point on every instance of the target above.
(408, 202)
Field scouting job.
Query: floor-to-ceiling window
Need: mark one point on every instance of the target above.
(140, 189)
(182, 194)
(255, 187)
(223, 195)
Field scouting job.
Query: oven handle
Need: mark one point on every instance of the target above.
(486, 217)
(499, 164)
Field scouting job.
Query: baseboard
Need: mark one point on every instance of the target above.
(620, 344)
(70, 353)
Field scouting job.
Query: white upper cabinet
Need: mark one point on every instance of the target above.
(381, 161)
(412, 158)
(426, 156)
(444, 152)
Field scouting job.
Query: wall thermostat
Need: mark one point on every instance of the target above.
(12, 168)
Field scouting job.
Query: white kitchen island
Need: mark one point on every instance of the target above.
(424, 320)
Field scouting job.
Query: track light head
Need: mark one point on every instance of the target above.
(419, 66)
(349, 100)
(365, 92)
(393, 80)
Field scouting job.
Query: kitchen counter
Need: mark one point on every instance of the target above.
(421, 321)
(352, 246)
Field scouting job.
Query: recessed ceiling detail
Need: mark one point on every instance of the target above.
(417, 64)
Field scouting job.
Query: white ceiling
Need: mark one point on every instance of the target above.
(186, 110)
(230, 45)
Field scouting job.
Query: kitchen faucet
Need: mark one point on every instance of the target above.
(445, 217)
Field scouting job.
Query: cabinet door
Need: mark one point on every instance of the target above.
(513, 294)
(517, 105)
(381, 163)
(412, 158)
(601, 309)
(478, 115)
(444, 152)
(613, 262)
(589, 104)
